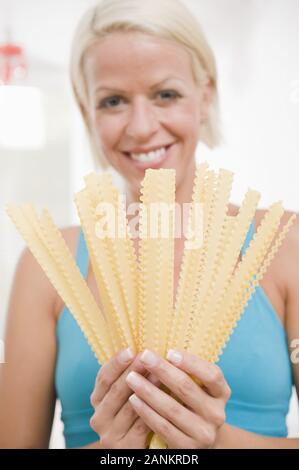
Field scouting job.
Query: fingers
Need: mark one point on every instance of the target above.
(124, 419)
(195, 427)
(135, 438)
(138, 432)
(167, 407)
(122, 428)
(114, 419)
(178, 381)
(134, 425)
(109, 399)
(153, 409)
(210, 375)
(118, 393)
(109, 373)
(159, 425)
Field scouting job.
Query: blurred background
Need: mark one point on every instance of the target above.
(43, 148)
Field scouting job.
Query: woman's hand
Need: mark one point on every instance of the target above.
(193, 424)
(114, 419)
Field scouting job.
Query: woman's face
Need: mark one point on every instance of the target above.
(144, 107)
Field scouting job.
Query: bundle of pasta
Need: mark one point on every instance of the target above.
(137, 308)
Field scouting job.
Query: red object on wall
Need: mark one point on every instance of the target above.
(13, 66)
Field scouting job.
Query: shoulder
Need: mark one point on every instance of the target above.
(287, 258)
(290, 265)
(291, 241)
(290, 253)
(286, 261)
(233, 209)
(28, 391)
(71, 235)
(29, 273)
(290, 245)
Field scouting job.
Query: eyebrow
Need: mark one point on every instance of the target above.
(106, 88)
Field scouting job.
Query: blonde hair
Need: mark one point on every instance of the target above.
(168, 19)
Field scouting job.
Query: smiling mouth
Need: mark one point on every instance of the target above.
(150, 157)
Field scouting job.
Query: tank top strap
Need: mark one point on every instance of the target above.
(248, 238)
(82, 255)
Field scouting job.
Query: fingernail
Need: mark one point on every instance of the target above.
(133, 379)
(174, 356)
(126, 355)
(148, 358)
(136, 402)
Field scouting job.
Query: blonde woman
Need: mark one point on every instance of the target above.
(146, 83)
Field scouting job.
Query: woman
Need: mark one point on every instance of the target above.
(145, 80)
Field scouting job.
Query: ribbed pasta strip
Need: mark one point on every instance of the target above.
(104, 271)
(119, 247)
(190, 266)
(99, 341)
(156, 257)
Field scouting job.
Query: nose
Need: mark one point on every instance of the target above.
(143, 122)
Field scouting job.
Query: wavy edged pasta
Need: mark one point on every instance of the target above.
(137, 305)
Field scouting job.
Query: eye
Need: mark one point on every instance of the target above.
(169, 95)
(110, 102)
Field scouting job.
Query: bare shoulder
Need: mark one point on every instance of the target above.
(291, 241)
(287, 258)
(290, 253)
(30, 354)
(233, 209)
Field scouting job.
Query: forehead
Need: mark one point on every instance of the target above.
(127, 55)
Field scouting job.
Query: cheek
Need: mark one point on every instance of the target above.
(186, 120)
(107, 131)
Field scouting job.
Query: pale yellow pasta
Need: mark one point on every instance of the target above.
(99, 340)
(156, 257)
(119, 248)
(137, 304)
(190, 266)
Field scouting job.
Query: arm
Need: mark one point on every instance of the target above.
(94, 445)
(27, 396)
(231, 437)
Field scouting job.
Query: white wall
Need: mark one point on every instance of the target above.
(41, 177)
(257, 49)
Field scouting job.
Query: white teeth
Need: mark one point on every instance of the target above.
(149, 157)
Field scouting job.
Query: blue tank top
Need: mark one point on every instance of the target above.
(255, 364)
